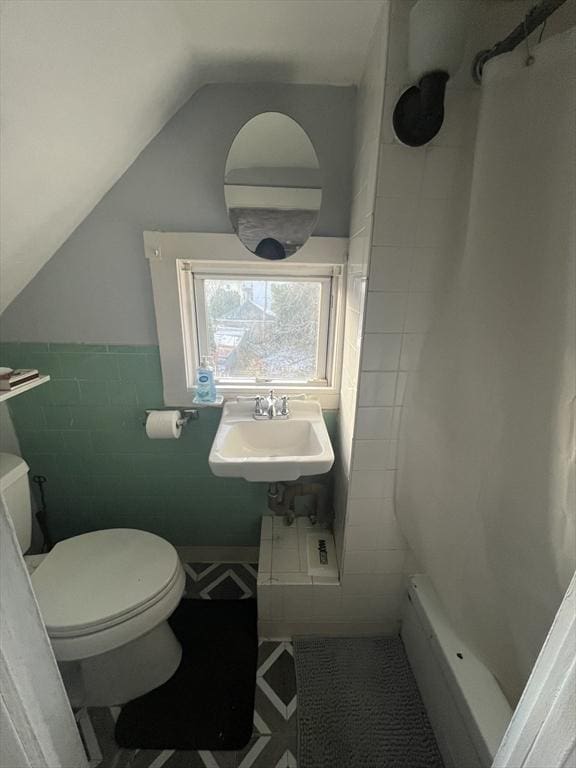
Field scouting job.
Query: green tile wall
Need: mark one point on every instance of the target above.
(83, 431)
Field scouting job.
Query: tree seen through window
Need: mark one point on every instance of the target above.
(264, 329)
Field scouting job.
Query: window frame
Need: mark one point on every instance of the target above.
(175, 258)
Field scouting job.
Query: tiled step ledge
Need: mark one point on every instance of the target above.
(283, 557)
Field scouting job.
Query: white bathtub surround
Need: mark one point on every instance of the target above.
(485, 492)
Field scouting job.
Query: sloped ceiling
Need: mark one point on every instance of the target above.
(85, 85)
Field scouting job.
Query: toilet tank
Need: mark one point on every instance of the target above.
(15, 494)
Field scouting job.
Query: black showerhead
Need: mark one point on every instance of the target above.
(419, 113)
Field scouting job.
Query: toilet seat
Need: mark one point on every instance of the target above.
(100, 590)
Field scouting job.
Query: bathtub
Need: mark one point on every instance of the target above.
(465, 705)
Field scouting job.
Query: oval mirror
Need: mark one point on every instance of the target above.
(272, 185)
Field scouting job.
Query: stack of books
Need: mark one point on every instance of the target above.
(12, 379)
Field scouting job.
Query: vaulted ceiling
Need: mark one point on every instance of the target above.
(85, 85)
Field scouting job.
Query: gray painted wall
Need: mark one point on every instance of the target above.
(96, 288)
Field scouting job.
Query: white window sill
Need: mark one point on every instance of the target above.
(328, 398)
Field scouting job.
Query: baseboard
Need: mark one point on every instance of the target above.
(218, 554)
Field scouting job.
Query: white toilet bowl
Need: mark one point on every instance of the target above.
(105, 598)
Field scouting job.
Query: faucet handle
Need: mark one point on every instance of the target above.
(284, 399)
(258, 400)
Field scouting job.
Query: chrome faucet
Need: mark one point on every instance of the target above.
(270, 404)
(273, 406)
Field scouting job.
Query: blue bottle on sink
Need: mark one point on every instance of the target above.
(205, 384)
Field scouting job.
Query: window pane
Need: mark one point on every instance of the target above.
(265, 329)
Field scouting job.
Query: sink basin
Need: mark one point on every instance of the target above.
(271, 450)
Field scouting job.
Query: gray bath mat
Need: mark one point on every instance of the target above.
(359, 706)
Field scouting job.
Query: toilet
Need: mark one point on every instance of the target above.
(105, 598)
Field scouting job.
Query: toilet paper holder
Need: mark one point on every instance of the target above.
(188, 414)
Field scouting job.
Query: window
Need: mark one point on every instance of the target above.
(263, 325)
(258, 327)
(263, 329)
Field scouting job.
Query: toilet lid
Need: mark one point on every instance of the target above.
(97, 578)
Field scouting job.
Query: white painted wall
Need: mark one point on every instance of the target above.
(86, 85)
(97, 287)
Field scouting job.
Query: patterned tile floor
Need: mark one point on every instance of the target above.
(275, 735)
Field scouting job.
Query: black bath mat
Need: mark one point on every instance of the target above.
(209, 701)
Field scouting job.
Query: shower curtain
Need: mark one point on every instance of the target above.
(485, 491)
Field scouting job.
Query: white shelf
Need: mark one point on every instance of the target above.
(216, 404)
(23, 388)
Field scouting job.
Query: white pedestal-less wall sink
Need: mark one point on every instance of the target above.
(271, 450)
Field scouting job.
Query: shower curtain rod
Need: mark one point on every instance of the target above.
(536, 16)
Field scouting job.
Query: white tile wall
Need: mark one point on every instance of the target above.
(420, 194)
(368, 419)
(374, 423)
(412, 344)
(386, 312)
(367, 137)
(419, 311)
(401, 383)
(427, 264)
(381, 351)
(394, 220)
(439, 172)
(430, 223)
(407, 205)
(371, 484)
(377, 388)
(400, 172)
(390, 268)
(374, 454)
(363, 512)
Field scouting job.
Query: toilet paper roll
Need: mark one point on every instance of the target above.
(163, 425)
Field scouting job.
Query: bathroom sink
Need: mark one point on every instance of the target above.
(271, 450)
